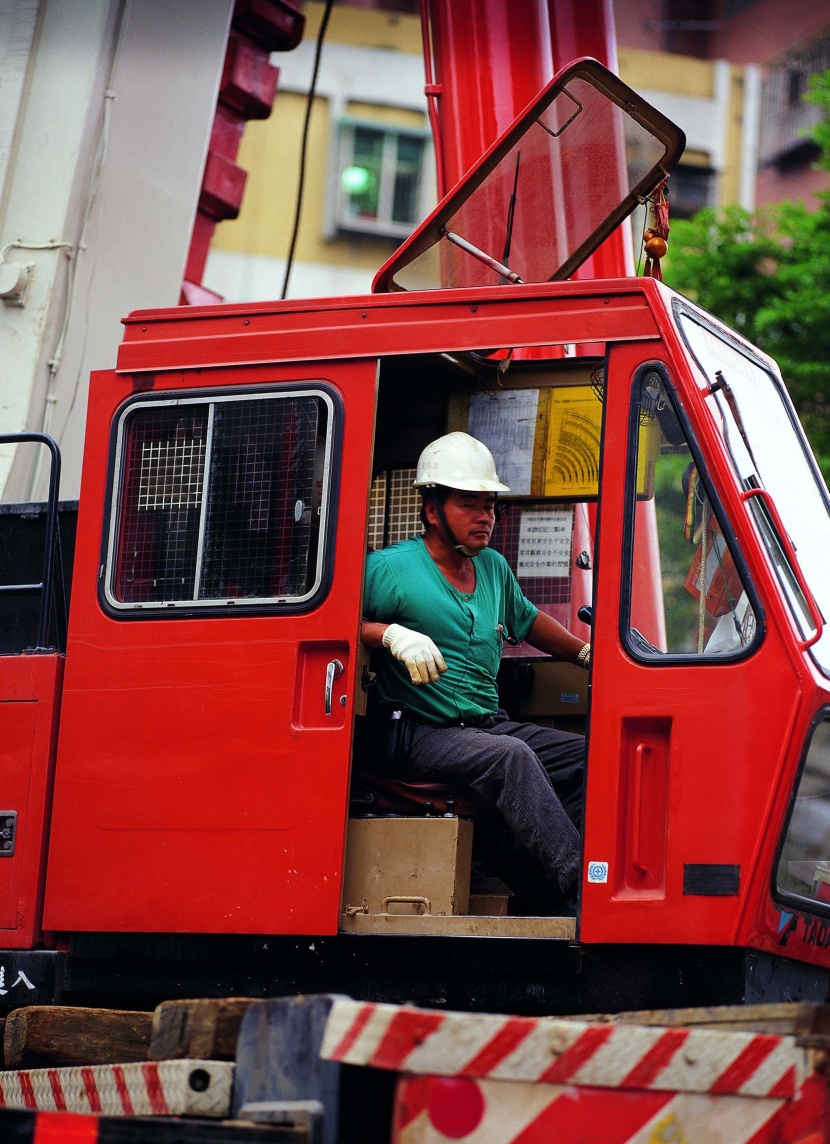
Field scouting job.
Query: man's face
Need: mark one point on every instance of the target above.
(471, 517)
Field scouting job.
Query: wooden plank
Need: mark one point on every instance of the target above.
(42, 1036)
(207, 1028)
(782, 1017)
(461, 925)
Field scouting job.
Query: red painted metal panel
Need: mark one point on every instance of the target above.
(795, 683)
(222, 805)
(645, 752)
(222, 187)
(209, 787)
(716, 764)
(387, 324)
(275, 24)
(247, 90)
(29, 707)
(17, 733)
(249, 79)
(490, 60)
(780, 931)
(65, 1128)
(586, 28)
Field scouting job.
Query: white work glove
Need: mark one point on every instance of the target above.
(422, 658)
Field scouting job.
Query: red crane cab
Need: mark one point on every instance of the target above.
(240, 460)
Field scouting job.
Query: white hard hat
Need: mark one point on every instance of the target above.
(459, 461)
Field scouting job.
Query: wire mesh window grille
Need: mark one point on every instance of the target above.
(394, 508)
(221, 500)
(542, 590)
(377, 512)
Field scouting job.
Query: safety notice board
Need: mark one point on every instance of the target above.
(545, 442)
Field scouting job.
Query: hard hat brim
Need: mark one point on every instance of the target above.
(463, 486)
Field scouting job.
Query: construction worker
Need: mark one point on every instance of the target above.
(438, 608)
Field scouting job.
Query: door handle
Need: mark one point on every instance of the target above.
(643, 750)
(334, 669)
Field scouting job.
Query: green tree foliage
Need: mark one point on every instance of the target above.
(767, 273)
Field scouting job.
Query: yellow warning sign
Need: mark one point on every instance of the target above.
(571, 465)
(545, 442)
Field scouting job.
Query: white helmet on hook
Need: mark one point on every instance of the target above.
(458, 461)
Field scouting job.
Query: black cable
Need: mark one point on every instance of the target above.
(318, 51)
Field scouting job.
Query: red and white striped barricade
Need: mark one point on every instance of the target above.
(148, 1088)
(490, 1079)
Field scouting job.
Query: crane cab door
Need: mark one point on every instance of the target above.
(205, 744)
(693, 694)
(32, 639)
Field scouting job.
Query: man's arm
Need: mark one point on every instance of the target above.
(371, 633)
(548, 635)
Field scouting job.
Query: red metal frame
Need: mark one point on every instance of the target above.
(586, 28)
(247, 91)
(489, 60)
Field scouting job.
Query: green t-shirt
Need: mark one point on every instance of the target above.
(405, 586)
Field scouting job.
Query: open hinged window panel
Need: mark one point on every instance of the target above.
(574, 164)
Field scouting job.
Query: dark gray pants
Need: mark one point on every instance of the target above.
(532, 774)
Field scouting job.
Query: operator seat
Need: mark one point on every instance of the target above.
(374, 794)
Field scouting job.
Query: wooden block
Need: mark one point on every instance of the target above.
(781, 1018)
(206, 1029)
(41, 1036)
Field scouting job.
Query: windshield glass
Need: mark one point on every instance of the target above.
(753, 414)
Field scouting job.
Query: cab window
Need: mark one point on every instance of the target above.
(686, 596)
(219, 501)
(803, 871)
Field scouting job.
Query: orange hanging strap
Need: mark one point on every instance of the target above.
(655, 239)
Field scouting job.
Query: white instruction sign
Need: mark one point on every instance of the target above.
(545, 542)
(505, 420)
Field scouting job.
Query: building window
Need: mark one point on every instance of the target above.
(796, 86)
(690, 189)
(380, 179)
(733, 7)
(220, 501)
(786, 118)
